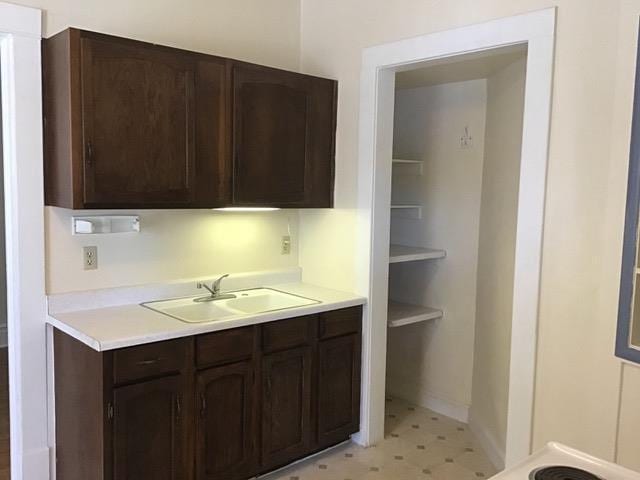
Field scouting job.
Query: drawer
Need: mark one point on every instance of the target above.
(284, 334)
(150, 360)
(340, 322)
(224, 347)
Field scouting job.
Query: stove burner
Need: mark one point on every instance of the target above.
(562, 473)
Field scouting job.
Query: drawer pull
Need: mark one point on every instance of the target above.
(144, 363)
(203, 405)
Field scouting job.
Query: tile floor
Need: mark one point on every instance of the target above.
(418, 444)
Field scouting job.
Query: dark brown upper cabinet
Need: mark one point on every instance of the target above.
(130, 124)
(283, 138)
(133, 125)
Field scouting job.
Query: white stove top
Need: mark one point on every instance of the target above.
(557, 454)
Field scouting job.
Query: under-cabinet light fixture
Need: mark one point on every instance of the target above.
(246, 209)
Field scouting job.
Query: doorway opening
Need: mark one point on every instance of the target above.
(383, 65)
(457, 140)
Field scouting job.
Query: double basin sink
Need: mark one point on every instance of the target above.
(242, 303)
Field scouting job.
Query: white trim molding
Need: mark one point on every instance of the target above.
(490, 446)
(20, 68)
(379, 64)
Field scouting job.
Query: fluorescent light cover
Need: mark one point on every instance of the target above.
(246, 209)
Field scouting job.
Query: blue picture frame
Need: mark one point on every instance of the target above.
(624, 348)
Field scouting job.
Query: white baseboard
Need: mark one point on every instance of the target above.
(438, 405)
(35, 465)
(4, 338)
(488, 443)
(448, 409)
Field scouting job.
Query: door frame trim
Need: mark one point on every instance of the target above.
(379, 64)
(20, 38)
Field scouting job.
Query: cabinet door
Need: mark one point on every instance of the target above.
(213, 133)
(138, 121)
(286, 406)
(226, 424)
(149, 431)
(338, 389)
(283, 142)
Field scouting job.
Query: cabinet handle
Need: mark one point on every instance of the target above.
(110, 411)
(178, 405)
(89, 153)
(151, 361)
(203, 404)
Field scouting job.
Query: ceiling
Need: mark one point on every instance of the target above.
(460, 68)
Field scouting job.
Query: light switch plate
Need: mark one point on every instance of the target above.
(90, 258)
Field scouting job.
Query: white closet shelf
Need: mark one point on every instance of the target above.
(406, 162)
(414, 167)
(400, 253)
(406, 211)
(399, 314)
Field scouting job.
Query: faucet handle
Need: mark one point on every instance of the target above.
(216, 283)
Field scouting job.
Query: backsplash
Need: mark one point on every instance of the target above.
(172, 244)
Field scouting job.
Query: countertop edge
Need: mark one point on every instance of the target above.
(75, 333)
(191, 329)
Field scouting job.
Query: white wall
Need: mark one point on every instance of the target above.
(496, 255)
(578, 380)
(252, 30)
(429, 122)
(172, 244)
(188, 243)
(3, 263)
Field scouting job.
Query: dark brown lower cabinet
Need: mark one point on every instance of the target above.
(149, 430)
(221, 406)
(225, 425)
(286, 406)
(338, 389)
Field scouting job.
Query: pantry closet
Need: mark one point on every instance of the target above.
(455, 182)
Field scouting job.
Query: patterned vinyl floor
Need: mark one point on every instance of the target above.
(418, 444)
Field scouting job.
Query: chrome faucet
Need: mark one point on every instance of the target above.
(214, 290)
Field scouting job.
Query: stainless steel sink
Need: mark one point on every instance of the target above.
(246, 302)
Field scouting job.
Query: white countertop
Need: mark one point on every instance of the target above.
(128, 325)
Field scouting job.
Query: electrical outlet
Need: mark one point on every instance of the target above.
(286, 245)
(90, 258)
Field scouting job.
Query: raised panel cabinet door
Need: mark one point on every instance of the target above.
(286, 406)
(283, 138)
(338, 389)
(226, 435)
(138, 124)
(150, 431)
